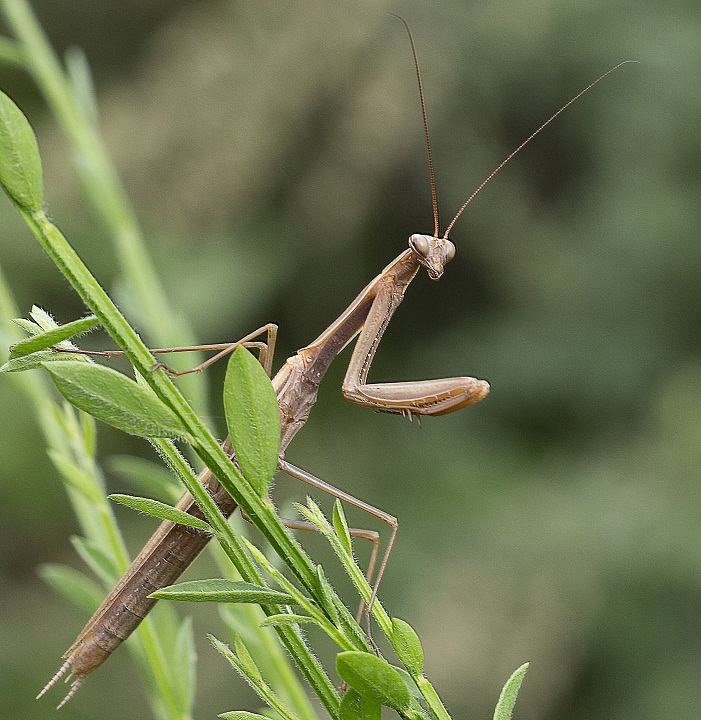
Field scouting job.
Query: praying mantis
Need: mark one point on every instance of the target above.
(173, 547)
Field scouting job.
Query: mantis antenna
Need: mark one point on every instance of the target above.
(436, 232)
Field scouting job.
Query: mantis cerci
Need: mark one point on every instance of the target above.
(173, 547)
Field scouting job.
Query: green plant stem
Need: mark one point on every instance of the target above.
(431, 697)
(245, 619)
(313, 514)
(252, 676)
(314, 611)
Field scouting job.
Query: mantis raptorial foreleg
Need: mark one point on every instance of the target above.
(424, 397)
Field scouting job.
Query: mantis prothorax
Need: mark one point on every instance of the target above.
(173, 547)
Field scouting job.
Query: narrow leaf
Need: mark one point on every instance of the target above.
(286, 619)
(88, 429)
(75, 476)
(340, 525)
(80, 77)
(47, 339)
(183, 664)
(246, 667)
(407, 645)
(73, 585)
(115, 399)
(326, 594)
(253, 419)
(509, 693)
(410, 683)
(96, 559)
(20, 164)
(226, 652)
(30, 362)
(246, 659)
(162, 511)
(355, 706)
(372, 676)
(31, 328)
(216, 590)
(242, 715)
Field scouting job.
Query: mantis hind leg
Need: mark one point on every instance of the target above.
(306, 477)
(372, 535)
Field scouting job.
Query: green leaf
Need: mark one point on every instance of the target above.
(216, 590)
(410, 683)
(286, 619)
(340, 525)
(115, 399)
(81, 82)
(242, 715)
(355, 706)
(88, 428)
(246, 659)
(30, 362)
(96, 559)
(76, 476)
(509, 693)
(20, 164)
(73, 585)
(325, 595)
(162, 511)
(183, 663)
(373, 677)
(47, 339)
(253, 419)
(31, 328)
(146, 475)
(407, 645)
(42, 318)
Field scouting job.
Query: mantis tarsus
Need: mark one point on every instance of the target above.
(173, 547)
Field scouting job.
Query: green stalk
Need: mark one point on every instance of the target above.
(431, 697)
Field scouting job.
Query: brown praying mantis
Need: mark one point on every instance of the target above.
(172, 548)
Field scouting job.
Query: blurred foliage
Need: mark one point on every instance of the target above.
(274, 154)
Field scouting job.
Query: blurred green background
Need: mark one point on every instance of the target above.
(274, 155)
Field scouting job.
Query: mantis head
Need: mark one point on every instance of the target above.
(432, 252)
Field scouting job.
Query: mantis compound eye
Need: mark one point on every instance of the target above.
(421, 245)
(448, 252)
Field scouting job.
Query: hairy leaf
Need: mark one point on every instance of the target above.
(216, 590)
(115, 399)
(253, 419)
